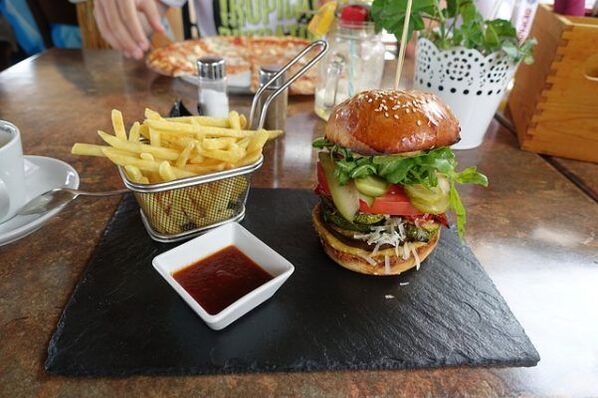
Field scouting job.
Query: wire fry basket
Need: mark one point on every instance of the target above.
(177, 210)
(180, 209)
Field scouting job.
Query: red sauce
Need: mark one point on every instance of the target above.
(222, 278)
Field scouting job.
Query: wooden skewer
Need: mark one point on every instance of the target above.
(403, 44)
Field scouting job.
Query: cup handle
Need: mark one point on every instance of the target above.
(4, 200)
(333, 74)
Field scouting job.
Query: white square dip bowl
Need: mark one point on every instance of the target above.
(203, 246)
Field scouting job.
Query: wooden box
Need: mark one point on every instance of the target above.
(554, 103)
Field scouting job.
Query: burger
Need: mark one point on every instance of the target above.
(386, 179)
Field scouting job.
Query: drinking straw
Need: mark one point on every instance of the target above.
(403, 44)
(352, 58)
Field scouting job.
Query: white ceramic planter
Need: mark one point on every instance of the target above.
(470, 83)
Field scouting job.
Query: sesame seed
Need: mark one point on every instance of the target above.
(370, 100)
(407, 110)
(419, 122)
(396, 117)
(385, 114)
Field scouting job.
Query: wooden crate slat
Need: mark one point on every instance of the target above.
(553, 104)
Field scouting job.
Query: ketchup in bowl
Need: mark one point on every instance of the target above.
(222, 278)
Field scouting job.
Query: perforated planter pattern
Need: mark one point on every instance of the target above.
(469, 82)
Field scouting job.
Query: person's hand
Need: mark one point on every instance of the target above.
(121, 24)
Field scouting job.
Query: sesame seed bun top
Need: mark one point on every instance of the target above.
(392, 122)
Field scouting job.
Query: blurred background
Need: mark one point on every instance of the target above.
(28, 27)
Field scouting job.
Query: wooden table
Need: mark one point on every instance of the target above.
(582, 174)
(533, 230)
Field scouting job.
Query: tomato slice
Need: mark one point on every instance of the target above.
(438, 218)
(390, 208)
(395, 193)
(322, 187)
(395, 203)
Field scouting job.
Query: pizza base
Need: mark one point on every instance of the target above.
(242, 55)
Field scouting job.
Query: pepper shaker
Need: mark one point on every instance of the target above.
(277, 111)
(213, 99)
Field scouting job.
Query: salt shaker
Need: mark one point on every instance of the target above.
(277, 111)
(213, 100)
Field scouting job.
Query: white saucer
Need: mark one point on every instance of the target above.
(41, 175)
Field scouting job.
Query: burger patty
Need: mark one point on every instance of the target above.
(360, 244)
(330, 215)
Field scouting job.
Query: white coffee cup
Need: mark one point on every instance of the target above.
(12, 171)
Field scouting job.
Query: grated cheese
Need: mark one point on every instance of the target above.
(369, 259)
(416, 257)
(391, 233)
(406, 252)
(375, 251)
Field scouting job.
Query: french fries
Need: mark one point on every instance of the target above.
(118, 124)
(146, 156)
(134, 133)
(163, 149)
(137, 148)
(218, 143)
(87, 150)
(135, 174)
(207, 120)
(166, 171)
(234, 120)
(166, 149)
(184, 156)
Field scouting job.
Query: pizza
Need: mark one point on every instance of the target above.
(243, 55)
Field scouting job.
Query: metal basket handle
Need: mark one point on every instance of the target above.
(300, 72)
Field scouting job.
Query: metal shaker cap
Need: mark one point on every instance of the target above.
(267, 72)
(211, 68)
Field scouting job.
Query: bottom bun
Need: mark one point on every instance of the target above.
(355, 259)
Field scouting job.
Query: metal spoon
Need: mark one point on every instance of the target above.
(58, 197)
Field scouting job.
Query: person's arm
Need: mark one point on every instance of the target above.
(121, 23)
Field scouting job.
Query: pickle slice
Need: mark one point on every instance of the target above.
(368, 219)
(371, 186)
(430, 200)
(367, 199)
(345, 197)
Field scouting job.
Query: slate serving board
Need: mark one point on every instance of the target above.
(123, 319)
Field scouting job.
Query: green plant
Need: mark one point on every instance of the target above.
(457, 24)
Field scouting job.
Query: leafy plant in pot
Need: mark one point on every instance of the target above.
(466, 60)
